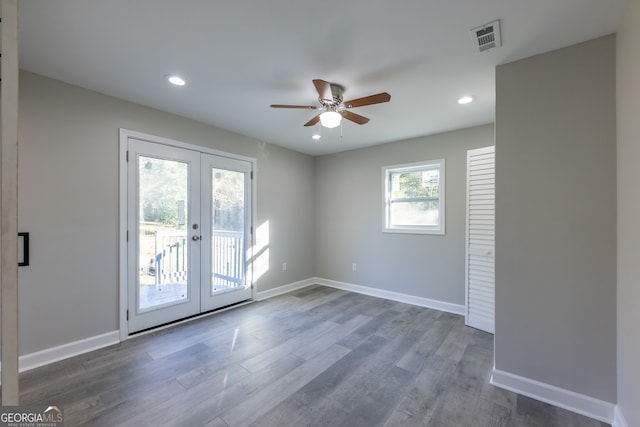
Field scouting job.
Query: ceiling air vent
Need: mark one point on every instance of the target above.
(486, 36)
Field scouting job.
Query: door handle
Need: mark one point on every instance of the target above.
(25, 249)
(195, 238)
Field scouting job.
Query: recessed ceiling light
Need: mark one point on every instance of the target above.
(465, 100)
(176, 80)
(316, 136)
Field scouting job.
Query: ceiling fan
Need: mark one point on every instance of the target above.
(332, 105)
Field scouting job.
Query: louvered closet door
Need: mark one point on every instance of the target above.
(480, 262)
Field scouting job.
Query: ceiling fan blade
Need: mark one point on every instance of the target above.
(356, 118)
(313, 121)
(305, 107)
(324, 89)
(378, 98)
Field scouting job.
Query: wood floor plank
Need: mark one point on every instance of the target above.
(499, 396)
(289, 412)
(377, 306)
(314, 357)
(346, 394)
(363, 332)
(357, 308)
(391, 388)
(320, 300)
(208, 404)
(122, 408)
(327, 381)
(459, 400)
(490, 414)
(178, 343)
(329, 338)
(331, 309)
(533, 413)
(83, 411)
(417, 406)
(217, 422)
(259, 403)
(372, 371)
(406, 320)
(415, 359)
(302, 340)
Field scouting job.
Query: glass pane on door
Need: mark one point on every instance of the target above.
(163, 249)
(227, 230)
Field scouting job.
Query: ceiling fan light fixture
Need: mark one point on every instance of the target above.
(330, 119)
(333, 109)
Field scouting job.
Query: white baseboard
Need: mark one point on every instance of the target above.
(393, 296)
(64, 351)
(567, 399)
(270, 293)
(618, 418)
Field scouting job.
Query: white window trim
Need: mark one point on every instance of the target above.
(413, 229)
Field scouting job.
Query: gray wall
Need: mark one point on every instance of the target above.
(628, 105)
(69, 203)
(555, 219)
(349, 219)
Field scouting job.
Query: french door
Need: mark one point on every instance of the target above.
(188, 226)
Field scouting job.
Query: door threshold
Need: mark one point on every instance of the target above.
(189, 319)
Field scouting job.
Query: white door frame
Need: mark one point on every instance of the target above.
(124, 137)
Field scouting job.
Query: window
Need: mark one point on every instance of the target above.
(413, 197)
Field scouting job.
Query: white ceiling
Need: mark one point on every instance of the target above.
(240, 56)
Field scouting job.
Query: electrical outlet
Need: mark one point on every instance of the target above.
(284, 266)
(354, 267)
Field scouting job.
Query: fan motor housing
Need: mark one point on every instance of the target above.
(336, 91)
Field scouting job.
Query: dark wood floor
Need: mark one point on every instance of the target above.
(316, 357)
